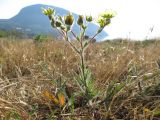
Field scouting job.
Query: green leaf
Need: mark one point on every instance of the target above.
(78, 38)
(71, 102)
(84, 27)
(156, 113)
(85, 44)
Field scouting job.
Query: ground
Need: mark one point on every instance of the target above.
(126, 74)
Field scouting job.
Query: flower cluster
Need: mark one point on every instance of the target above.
(105, 18)
(65, 22)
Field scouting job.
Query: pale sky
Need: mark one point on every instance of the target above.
(134, 18)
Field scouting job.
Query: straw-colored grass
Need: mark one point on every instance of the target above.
(27, 69)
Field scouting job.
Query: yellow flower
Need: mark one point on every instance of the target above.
(101, 22)
(108, 14)
(48, 11)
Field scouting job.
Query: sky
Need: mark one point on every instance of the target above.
(134, 18)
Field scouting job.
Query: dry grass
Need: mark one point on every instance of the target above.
(27, 69)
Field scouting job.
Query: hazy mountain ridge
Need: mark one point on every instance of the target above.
(31, 20)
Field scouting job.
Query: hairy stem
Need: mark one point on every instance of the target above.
(72, 45)
(74, 34)
(95, 35)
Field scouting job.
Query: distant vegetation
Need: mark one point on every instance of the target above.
(42, 38)
(14, 34)
(11, 33)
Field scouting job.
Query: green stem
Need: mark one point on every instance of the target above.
(74, 34)
(95, 36)
(62, 34)
(82, 58)
(72, 45)
(82, 65)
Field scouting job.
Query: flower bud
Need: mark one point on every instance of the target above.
(89, 18)
(84, 27)
(80, 20)
(58, 24)
(69, 19)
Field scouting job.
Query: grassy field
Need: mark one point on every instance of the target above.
(126, 74)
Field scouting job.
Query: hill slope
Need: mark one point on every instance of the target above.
(31, 20)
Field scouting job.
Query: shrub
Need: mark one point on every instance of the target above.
(42, 38)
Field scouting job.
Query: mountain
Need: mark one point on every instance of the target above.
(31, 21)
